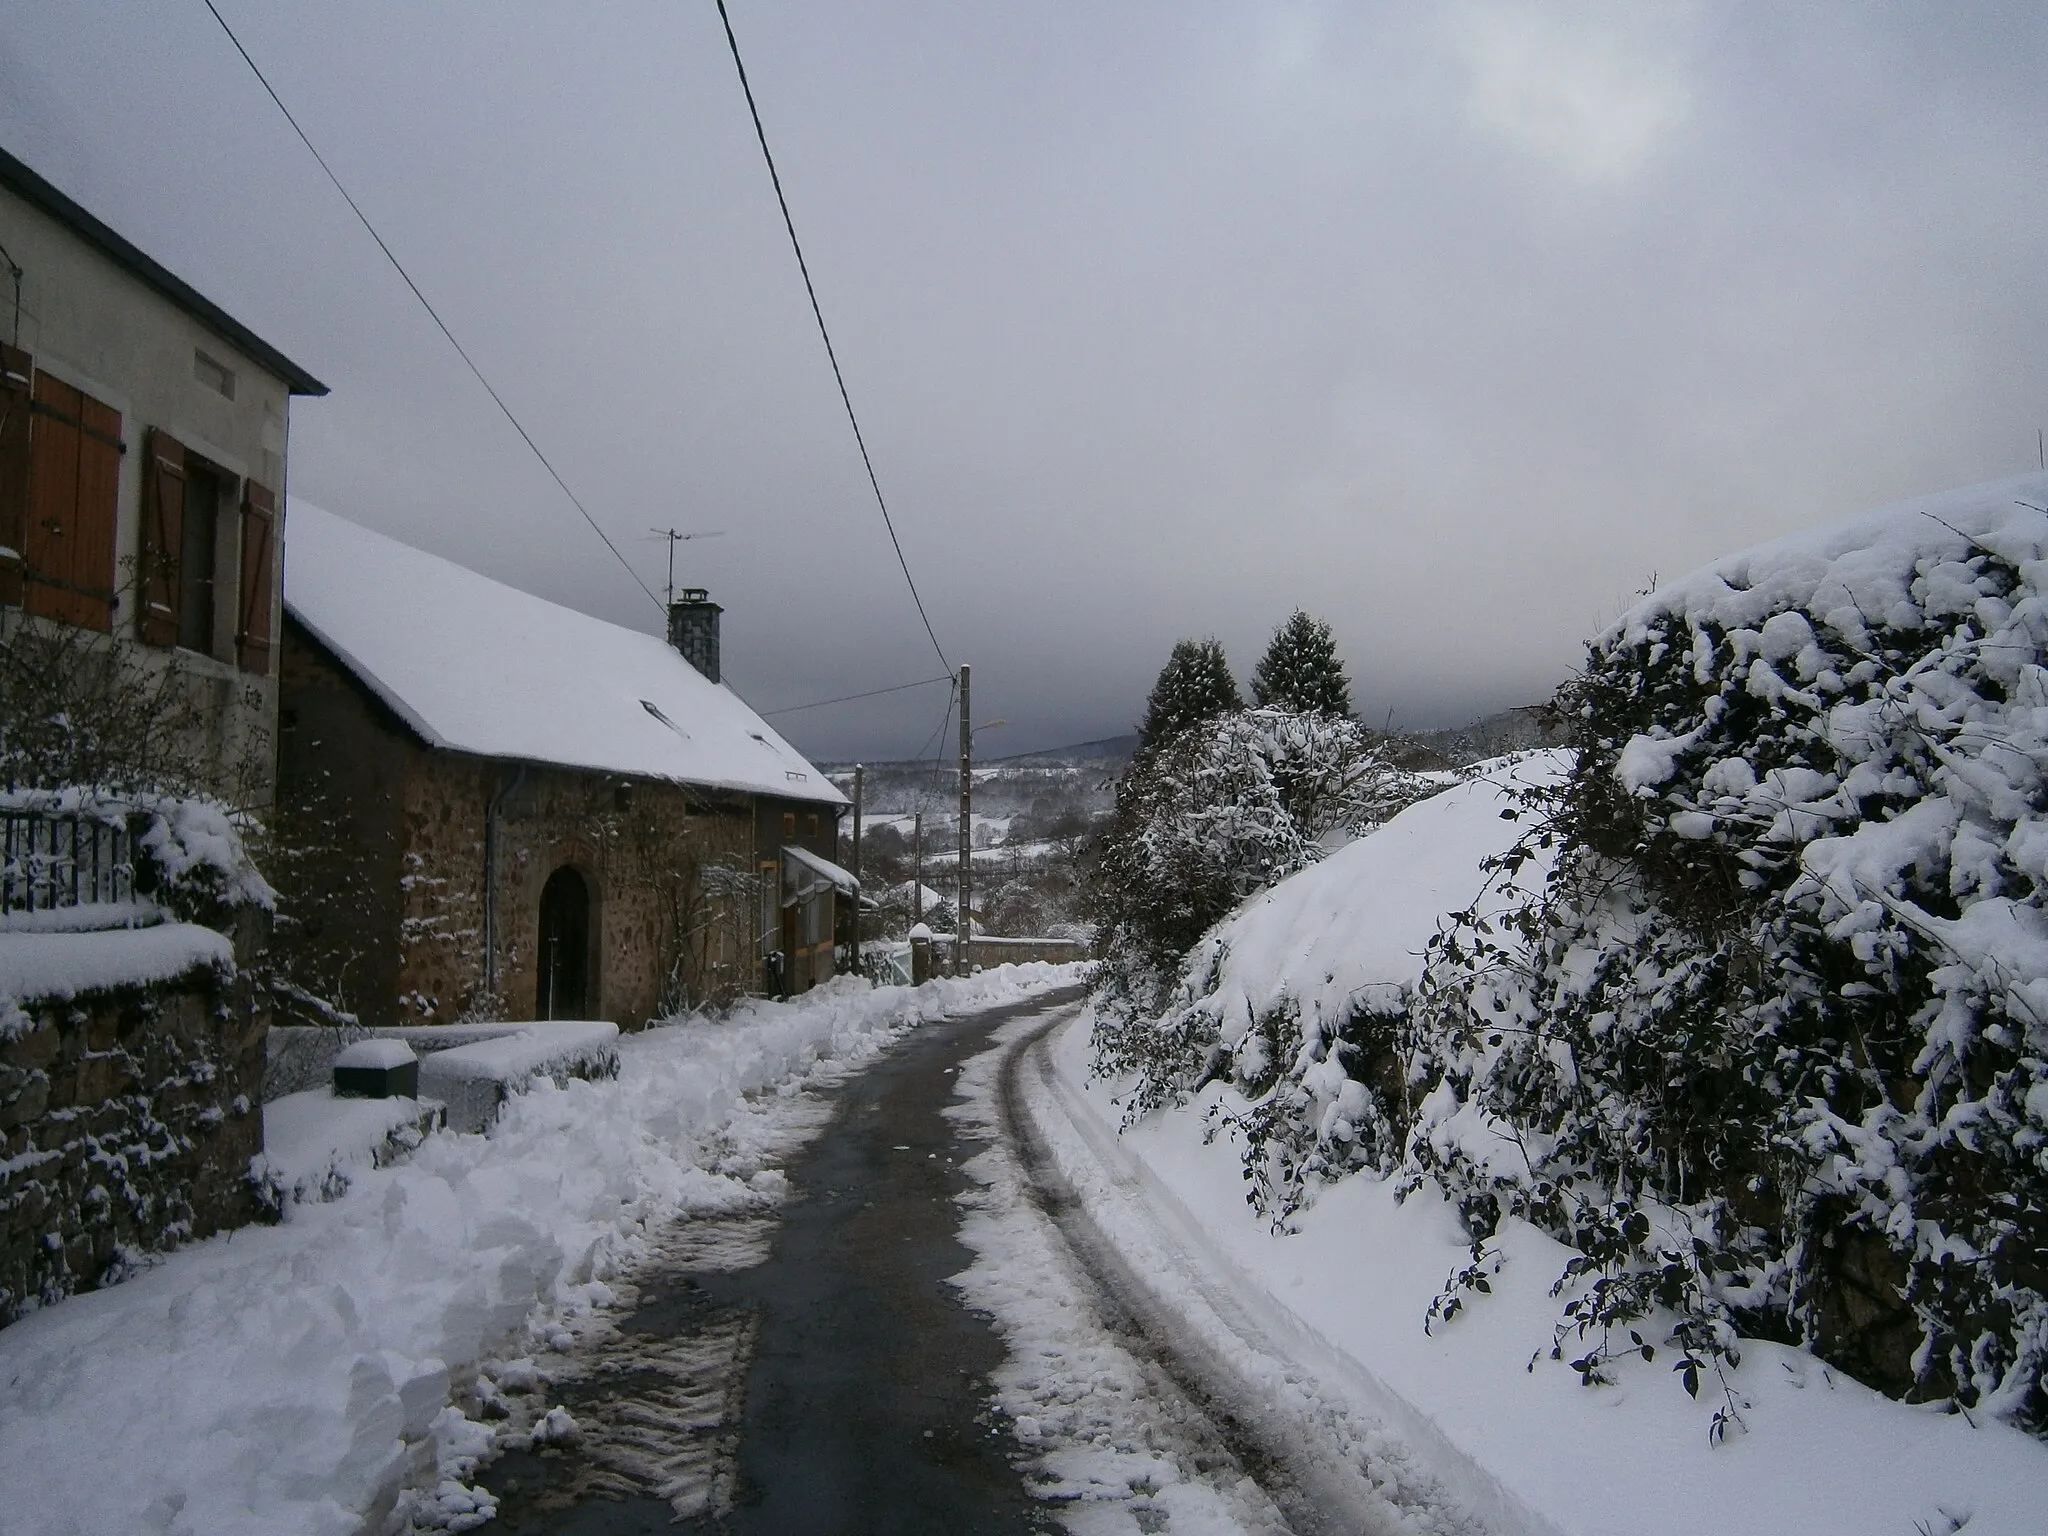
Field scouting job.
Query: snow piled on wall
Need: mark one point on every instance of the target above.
(271, 1380)
(56, 966)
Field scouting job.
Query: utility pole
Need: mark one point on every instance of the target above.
(858, 969)
(962, 958)
(917, 868)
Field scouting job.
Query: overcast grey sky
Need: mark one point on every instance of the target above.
(1452, 323)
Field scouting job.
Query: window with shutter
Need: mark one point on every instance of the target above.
(259, 543)
(74, 482)
(16, 369)
(163, 540)
(207, 487)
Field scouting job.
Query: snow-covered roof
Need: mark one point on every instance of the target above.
(473, 665)
(823, 868)
(906, 894)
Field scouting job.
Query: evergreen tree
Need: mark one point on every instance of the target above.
(1194, 685)
(1228, 805)
(1300, 670)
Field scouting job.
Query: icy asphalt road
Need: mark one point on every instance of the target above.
(848, 1365)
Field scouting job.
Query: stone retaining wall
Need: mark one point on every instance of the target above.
(128, 1117)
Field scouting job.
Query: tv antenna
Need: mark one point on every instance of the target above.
(674, 538)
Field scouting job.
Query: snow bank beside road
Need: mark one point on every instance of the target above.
(273, 1380)
(314, 1144)
(1823, 1455)
(1136, 1431)
(474, 1080)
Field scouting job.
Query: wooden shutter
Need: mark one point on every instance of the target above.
(99, 505)
(16, 369)
(74, 484)
(163, 540)
(259, 544)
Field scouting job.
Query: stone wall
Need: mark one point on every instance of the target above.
(342, 762)
(128, 1117)
(662, 933)
(989, 950)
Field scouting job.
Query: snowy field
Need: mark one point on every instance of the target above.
(284, 1379)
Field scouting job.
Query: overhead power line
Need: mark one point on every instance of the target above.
(831, 354)
(848, 698)
(925, 791)
(432, 313)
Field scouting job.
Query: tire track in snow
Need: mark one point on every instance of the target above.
(1166, 1366)
(654, 1389)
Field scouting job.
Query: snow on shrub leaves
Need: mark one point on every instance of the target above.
(1769, 1048)
(1790, 977)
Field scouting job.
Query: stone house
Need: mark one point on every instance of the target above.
(510, 809)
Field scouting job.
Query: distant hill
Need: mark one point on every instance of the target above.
(1118, 748)
(1044, 787)
(1082, 778)
(1510, 730)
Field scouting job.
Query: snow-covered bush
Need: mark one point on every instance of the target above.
(95, 730)
(1301, 999)
(1226, 807)
(1787, 989)
(80, 707)
(1754, 1014)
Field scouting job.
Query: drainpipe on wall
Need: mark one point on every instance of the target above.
(493, 811)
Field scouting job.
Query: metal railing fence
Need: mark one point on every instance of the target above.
(55, 859)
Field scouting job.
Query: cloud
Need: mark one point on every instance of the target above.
(1403, 314)
(1592, 90)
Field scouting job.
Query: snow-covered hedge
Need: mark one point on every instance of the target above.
(1791, 974)
(1301, 998)
(1765, 1036)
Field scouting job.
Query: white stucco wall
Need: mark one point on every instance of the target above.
(96, 326)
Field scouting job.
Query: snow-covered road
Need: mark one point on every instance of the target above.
(827, 1364)
(293, 1378)
(823, 1378)
(1160, 1361)
(1150, 1391)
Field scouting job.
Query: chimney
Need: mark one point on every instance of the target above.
(693, 629)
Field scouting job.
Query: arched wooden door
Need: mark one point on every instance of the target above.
(565, 990)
